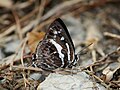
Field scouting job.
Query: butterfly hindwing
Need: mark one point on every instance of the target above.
(57, 49)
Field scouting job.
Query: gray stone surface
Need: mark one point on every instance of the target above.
(80, 81)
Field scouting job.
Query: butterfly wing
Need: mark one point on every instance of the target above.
(57, 49)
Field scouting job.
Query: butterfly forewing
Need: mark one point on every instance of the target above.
(57, 49)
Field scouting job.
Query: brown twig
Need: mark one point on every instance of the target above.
(112, 35)
(28, 68)
(18, 26)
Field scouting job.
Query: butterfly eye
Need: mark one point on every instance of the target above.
(34, 57)
(77, 57)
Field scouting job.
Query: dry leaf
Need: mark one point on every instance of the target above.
(33, 39)
(108, 74)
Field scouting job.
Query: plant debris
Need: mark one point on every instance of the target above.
(23, 25)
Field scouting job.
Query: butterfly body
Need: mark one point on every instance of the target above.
(56, 50)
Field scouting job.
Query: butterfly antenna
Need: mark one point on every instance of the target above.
(83, 49)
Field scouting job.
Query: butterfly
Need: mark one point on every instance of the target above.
(56, 50)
